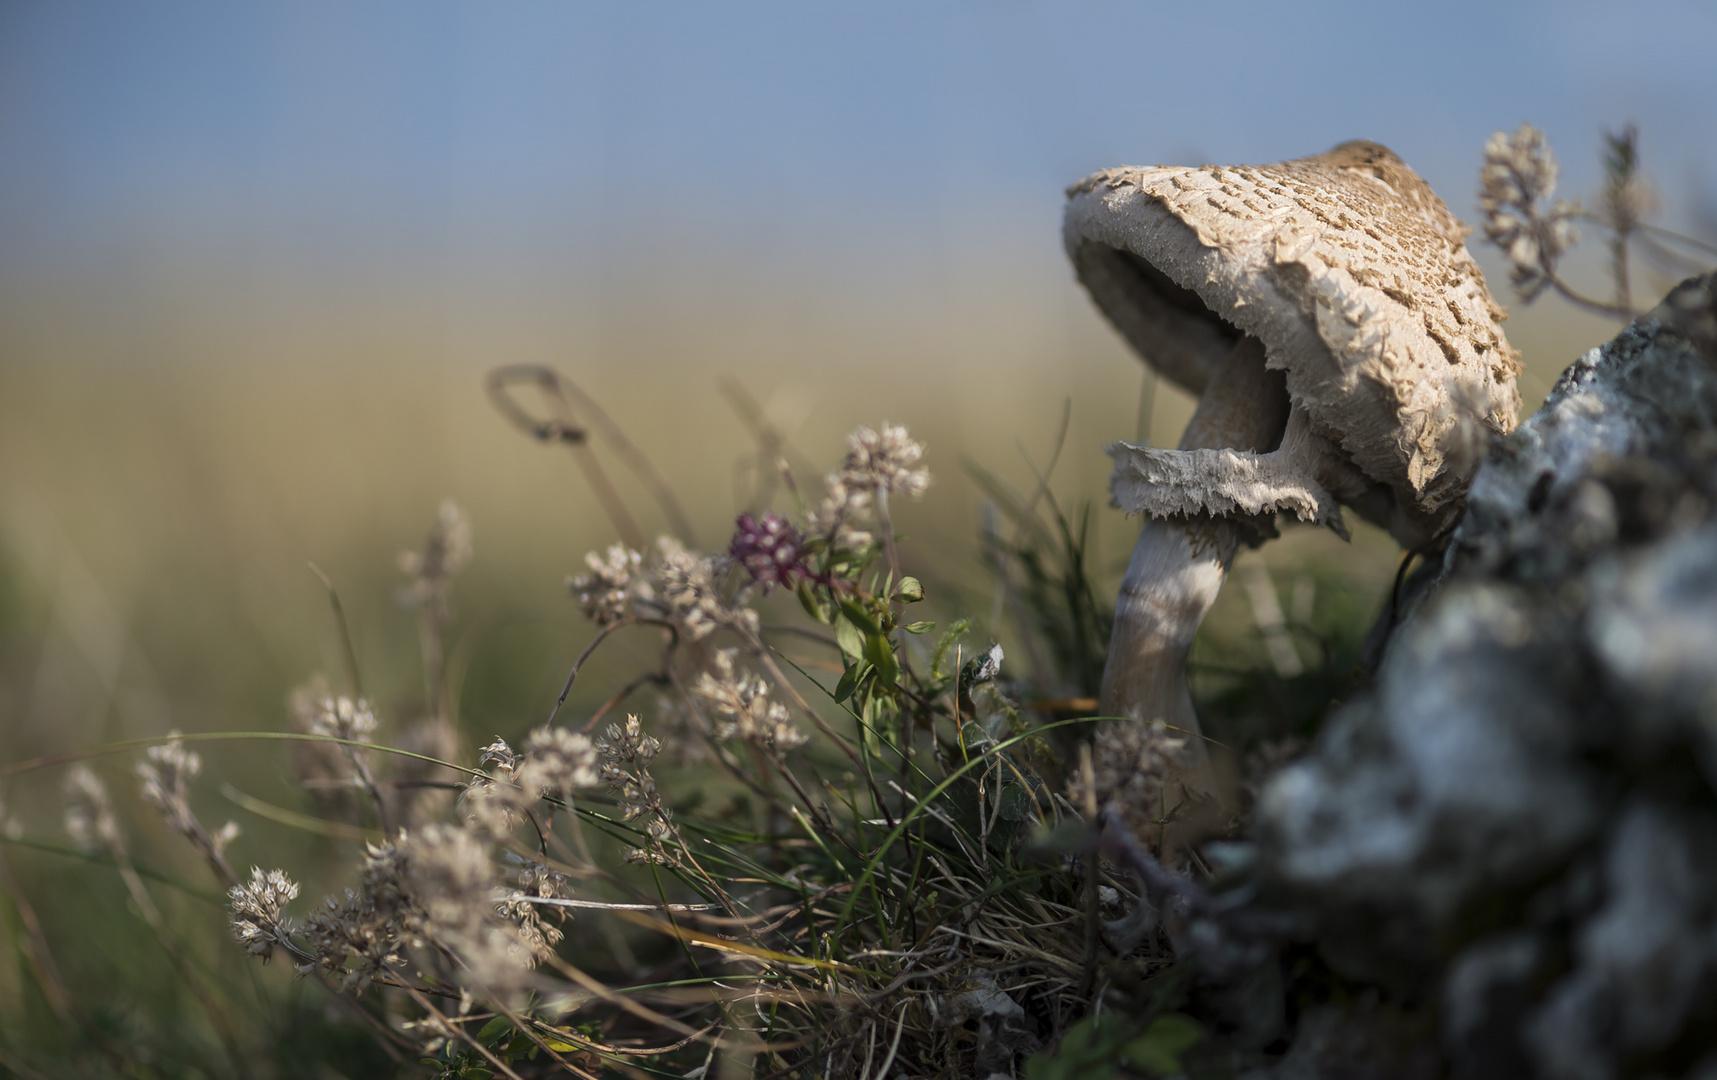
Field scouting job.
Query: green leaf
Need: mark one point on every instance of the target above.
(1068, 838)
(860, 617)
(1016, 803)
(808, 600)
(910, 591)
(880, 652)
(1158, 1050)
(920, 627)
(1075, 1040)
(850, 638)
(850, 680)
(1039, 1067)
(493, 1030)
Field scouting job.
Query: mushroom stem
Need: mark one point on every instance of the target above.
(1177, 569)
(1172, 580)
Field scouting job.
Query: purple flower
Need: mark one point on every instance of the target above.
(770, 549)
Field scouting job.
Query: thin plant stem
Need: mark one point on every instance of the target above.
(151, 915)
(347, 652)
(459, 1029)
(578, 664)
(567, 430)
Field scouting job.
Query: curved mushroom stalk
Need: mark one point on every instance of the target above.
(1173, 578)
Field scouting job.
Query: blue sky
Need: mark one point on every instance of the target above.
(427, 131)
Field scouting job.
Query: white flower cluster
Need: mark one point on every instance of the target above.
(688, 594)
(877, 464)
(741, 700)
(556, 762)
(451, 882)
(682, 586)
(166, 774)
(343, 718)
(436, 887)
(884, 462)
(364, 934)
(1517, 179)
(89, 816)
(605, 594)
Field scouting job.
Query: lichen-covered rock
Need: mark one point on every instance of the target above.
(1645, 962)
(1459, 783)
(1516, 831)
(1649, 398)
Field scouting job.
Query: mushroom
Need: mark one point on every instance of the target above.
(1342, 344)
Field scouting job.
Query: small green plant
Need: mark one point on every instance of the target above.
(1098, 1048)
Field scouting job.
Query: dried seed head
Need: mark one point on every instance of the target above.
(166, 773)
(365, 934)
(444, 554)
(89, 813)
(1516, 183)
(437, 887)
(537, 923)
(557, 762)
(499, 757)
(625, 754)
(687, 592)
(258, 919)
(741, 699)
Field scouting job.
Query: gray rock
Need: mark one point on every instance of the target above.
(1533, 512)
(1514, 833)
(1457, 782)
(1645, 962)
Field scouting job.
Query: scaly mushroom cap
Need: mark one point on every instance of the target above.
(1356, 278)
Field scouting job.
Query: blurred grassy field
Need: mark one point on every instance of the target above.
(165, 476)
(172, 457)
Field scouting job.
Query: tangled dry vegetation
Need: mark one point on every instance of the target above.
(901, 889)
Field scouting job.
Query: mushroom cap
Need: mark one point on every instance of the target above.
(1356, 278)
